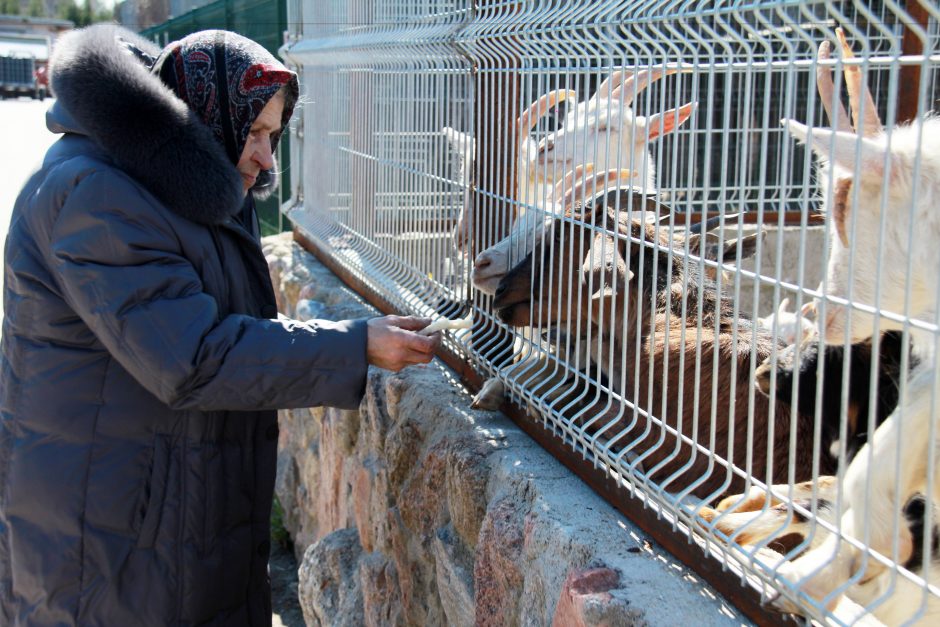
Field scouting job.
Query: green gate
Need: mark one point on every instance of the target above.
(263, 21)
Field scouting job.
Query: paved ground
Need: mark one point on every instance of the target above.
(24, 140)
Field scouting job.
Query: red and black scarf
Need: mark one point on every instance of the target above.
(227, 80)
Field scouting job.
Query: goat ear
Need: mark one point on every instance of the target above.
(841, 148)
(748, 247)
(668, 121)
(704, 245)
(615, 274)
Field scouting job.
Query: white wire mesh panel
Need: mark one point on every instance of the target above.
(658, 269)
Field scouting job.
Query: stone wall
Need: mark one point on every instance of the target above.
(416, 510)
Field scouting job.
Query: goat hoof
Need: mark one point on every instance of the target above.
(782, 604)
(490, 396)
(707, 514)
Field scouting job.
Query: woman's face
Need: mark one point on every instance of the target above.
(257, 155)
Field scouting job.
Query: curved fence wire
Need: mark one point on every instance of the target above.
(657, 268)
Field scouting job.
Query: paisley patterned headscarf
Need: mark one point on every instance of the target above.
(227, 80)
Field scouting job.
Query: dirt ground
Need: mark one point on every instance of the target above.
(286, 606)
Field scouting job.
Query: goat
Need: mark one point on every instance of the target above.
(707, 245)
(797, 382)
(601, 131)
(604, 130)
(791, 327)
(633, 285)
(901, 179)
(800, 378)
(893, 184)
(464, 145)
(492, 392)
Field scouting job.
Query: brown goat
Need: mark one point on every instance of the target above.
(644, 299)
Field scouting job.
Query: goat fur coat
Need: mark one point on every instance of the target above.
(142, 359)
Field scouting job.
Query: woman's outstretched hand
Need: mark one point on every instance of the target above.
(393, 342)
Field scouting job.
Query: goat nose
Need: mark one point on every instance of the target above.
(482, 261)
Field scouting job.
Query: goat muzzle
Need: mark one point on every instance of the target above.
(512, 301)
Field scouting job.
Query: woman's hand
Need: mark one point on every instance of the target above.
(393, 342)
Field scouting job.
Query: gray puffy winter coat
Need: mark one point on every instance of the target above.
(142, 361)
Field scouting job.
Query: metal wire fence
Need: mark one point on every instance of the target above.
(737, 329)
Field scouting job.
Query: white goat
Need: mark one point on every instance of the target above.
(528, 188)
(465, 146)
(603, 132)
(792, 327)
(898, 174)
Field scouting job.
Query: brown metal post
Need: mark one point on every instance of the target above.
(496, 94)
(909, 84)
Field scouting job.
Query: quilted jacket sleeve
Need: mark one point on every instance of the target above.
(119, 266)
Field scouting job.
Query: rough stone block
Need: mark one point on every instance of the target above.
(454, 573)
(586, 599)
(328, 586)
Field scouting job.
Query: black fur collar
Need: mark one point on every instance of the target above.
(148, 132)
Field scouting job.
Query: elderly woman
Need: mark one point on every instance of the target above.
(143, 357)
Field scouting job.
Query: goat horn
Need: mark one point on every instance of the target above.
(630, 85)
(563, 185)
(597, 181)
(871, 124)
(540, 107)
(707, 225)
(826, 90)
